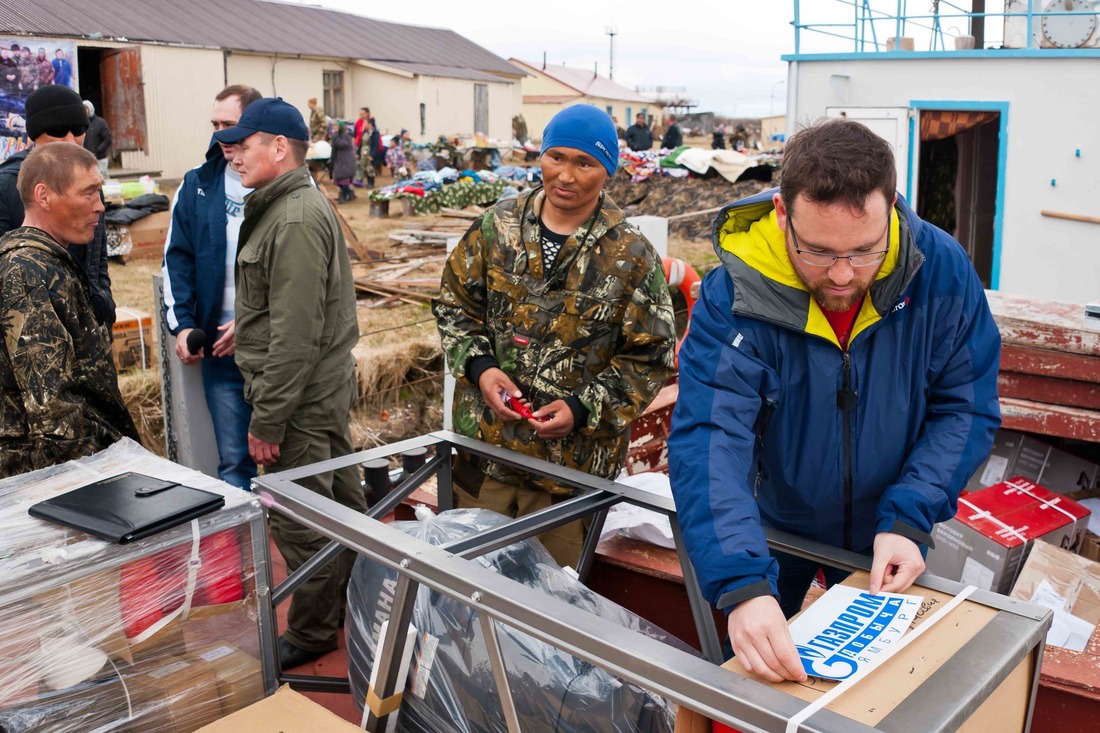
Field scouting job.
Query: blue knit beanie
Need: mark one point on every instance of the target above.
(586, 128)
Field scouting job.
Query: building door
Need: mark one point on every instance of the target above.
(481, 109)
(958, 178)
(123, 96)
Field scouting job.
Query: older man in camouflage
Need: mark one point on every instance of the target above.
(554, 301)
(59, 396)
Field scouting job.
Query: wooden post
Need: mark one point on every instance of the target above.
(380, 208)
(408, 206)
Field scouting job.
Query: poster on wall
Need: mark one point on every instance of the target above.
(25, 65)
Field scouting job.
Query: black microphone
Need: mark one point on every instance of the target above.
(196, 339)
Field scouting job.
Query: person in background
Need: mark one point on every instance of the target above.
(719, 141)
(62, 69)
(553, 301)
(296, 327)
(9, 72)
(28, 68)
(618, 128)
(839, 382)
(45, 69)
(343, 161)
(372, 155)
(397, 160)
(674, 136)
(97, 140)
(55, 114)
(59, 396)
(199, 289)
(318, 126)
(638, 135)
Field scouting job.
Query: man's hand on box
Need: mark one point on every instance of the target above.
(896, 563)
(762, 642)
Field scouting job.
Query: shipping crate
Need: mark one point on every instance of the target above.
(975, 670)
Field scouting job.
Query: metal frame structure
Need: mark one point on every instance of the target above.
(942, 703)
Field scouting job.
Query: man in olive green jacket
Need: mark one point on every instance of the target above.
(295, 329)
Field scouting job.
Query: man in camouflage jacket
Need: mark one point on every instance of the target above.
(585, 335)
(59, 396)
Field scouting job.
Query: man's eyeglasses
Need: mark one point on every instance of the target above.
(821, 259)
(62, 131)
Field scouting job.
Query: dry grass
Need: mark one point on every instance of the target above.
(141, 394)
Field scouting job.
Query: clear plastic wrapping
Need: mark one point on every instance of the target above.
(161, 635)
(451, 688)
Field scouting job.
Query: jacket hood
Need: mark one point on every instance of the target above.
(753, 250)
(31, 238)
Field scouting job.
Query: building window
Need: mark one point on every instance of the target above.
(629, 117)
(610, 111)
(334, 94)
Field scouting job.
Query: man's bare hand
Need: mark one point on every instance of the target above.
(895, 564)
(762, 642)
(181, 348)
(558, 420)
(492, 382)
(225, 346)
(262, 452)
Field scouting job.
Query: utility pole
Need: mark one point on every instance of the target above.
(611, 31)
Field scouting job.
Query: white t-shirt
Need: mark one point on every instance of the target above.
(235, 191)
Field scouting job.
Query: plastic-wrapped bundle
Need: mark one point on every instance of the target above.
(160, 635)
(451, 687)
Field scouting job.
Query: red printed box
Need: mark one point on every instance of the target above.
(986, 543)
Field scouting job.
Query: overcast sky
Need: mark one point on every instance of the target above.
(724, 55)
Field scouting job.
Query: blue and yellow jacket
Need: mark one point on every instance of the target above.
(777, 426)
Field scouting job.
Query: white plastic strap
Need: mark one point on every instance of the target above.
(798, 718)
(983, 514)
(676, 271)
(1054, 503)
(193, 565)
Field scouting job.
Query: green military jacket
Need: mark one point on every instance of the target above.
(59, 396)
(599, 326)
(295, 305)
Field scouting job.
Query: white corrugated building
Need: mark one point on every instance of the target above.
(153, 69)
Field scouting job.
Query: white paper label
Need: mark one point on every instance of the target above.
(1047, 597)
(976, 574)
(215, 654)
(994, 471)
(849, 629)
(424, 661)
(1069, 631)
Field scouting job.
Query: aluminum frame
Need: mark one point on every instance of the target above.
(1015, 633)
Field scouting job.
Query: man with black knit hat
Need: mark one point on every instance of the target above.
(56, 114)
(553, 302)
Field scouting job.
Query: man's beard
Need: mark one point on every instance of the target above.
(836, 303)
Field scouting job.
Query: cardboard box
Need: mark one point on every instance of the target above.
(1020, 454)
(895, 680)
(174, 695)
(986, 542)
(286, 712)
(1066, 583)
(240, 676)
(1090, 547)
(133, 346)
(148, 234)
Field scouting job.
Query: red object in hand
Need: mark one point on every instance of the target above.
(516, 406)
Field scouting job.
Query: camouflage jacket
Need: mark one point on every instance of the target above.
(59, 396)
(599, 327)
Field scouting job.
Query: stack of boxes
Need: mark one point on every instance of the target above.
(163, 635)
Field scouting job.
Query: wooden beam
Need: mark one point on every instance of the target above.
(1050, 363)
(1055, 420)
(1043, 324)
(1052, 391)
(1071, 217)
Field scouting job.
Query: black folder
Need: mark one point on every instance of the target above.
(127, 507)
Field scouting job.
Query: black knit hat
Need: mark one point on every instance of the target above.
(54, 105)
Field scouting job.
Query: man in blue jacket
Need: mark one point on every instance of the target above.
(207, 214)
(839, 382)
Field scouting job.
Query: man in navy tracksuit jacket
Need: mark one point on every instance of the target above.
(839, 382)
(207, 213)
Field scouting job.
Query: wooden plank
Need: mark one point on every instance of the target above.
(1043, 324)
(1045, 389)
(1071, 217)
(1055, 420)
(1050, 363)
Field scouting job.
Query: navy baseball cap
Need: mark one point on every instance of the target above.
(271, 115)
